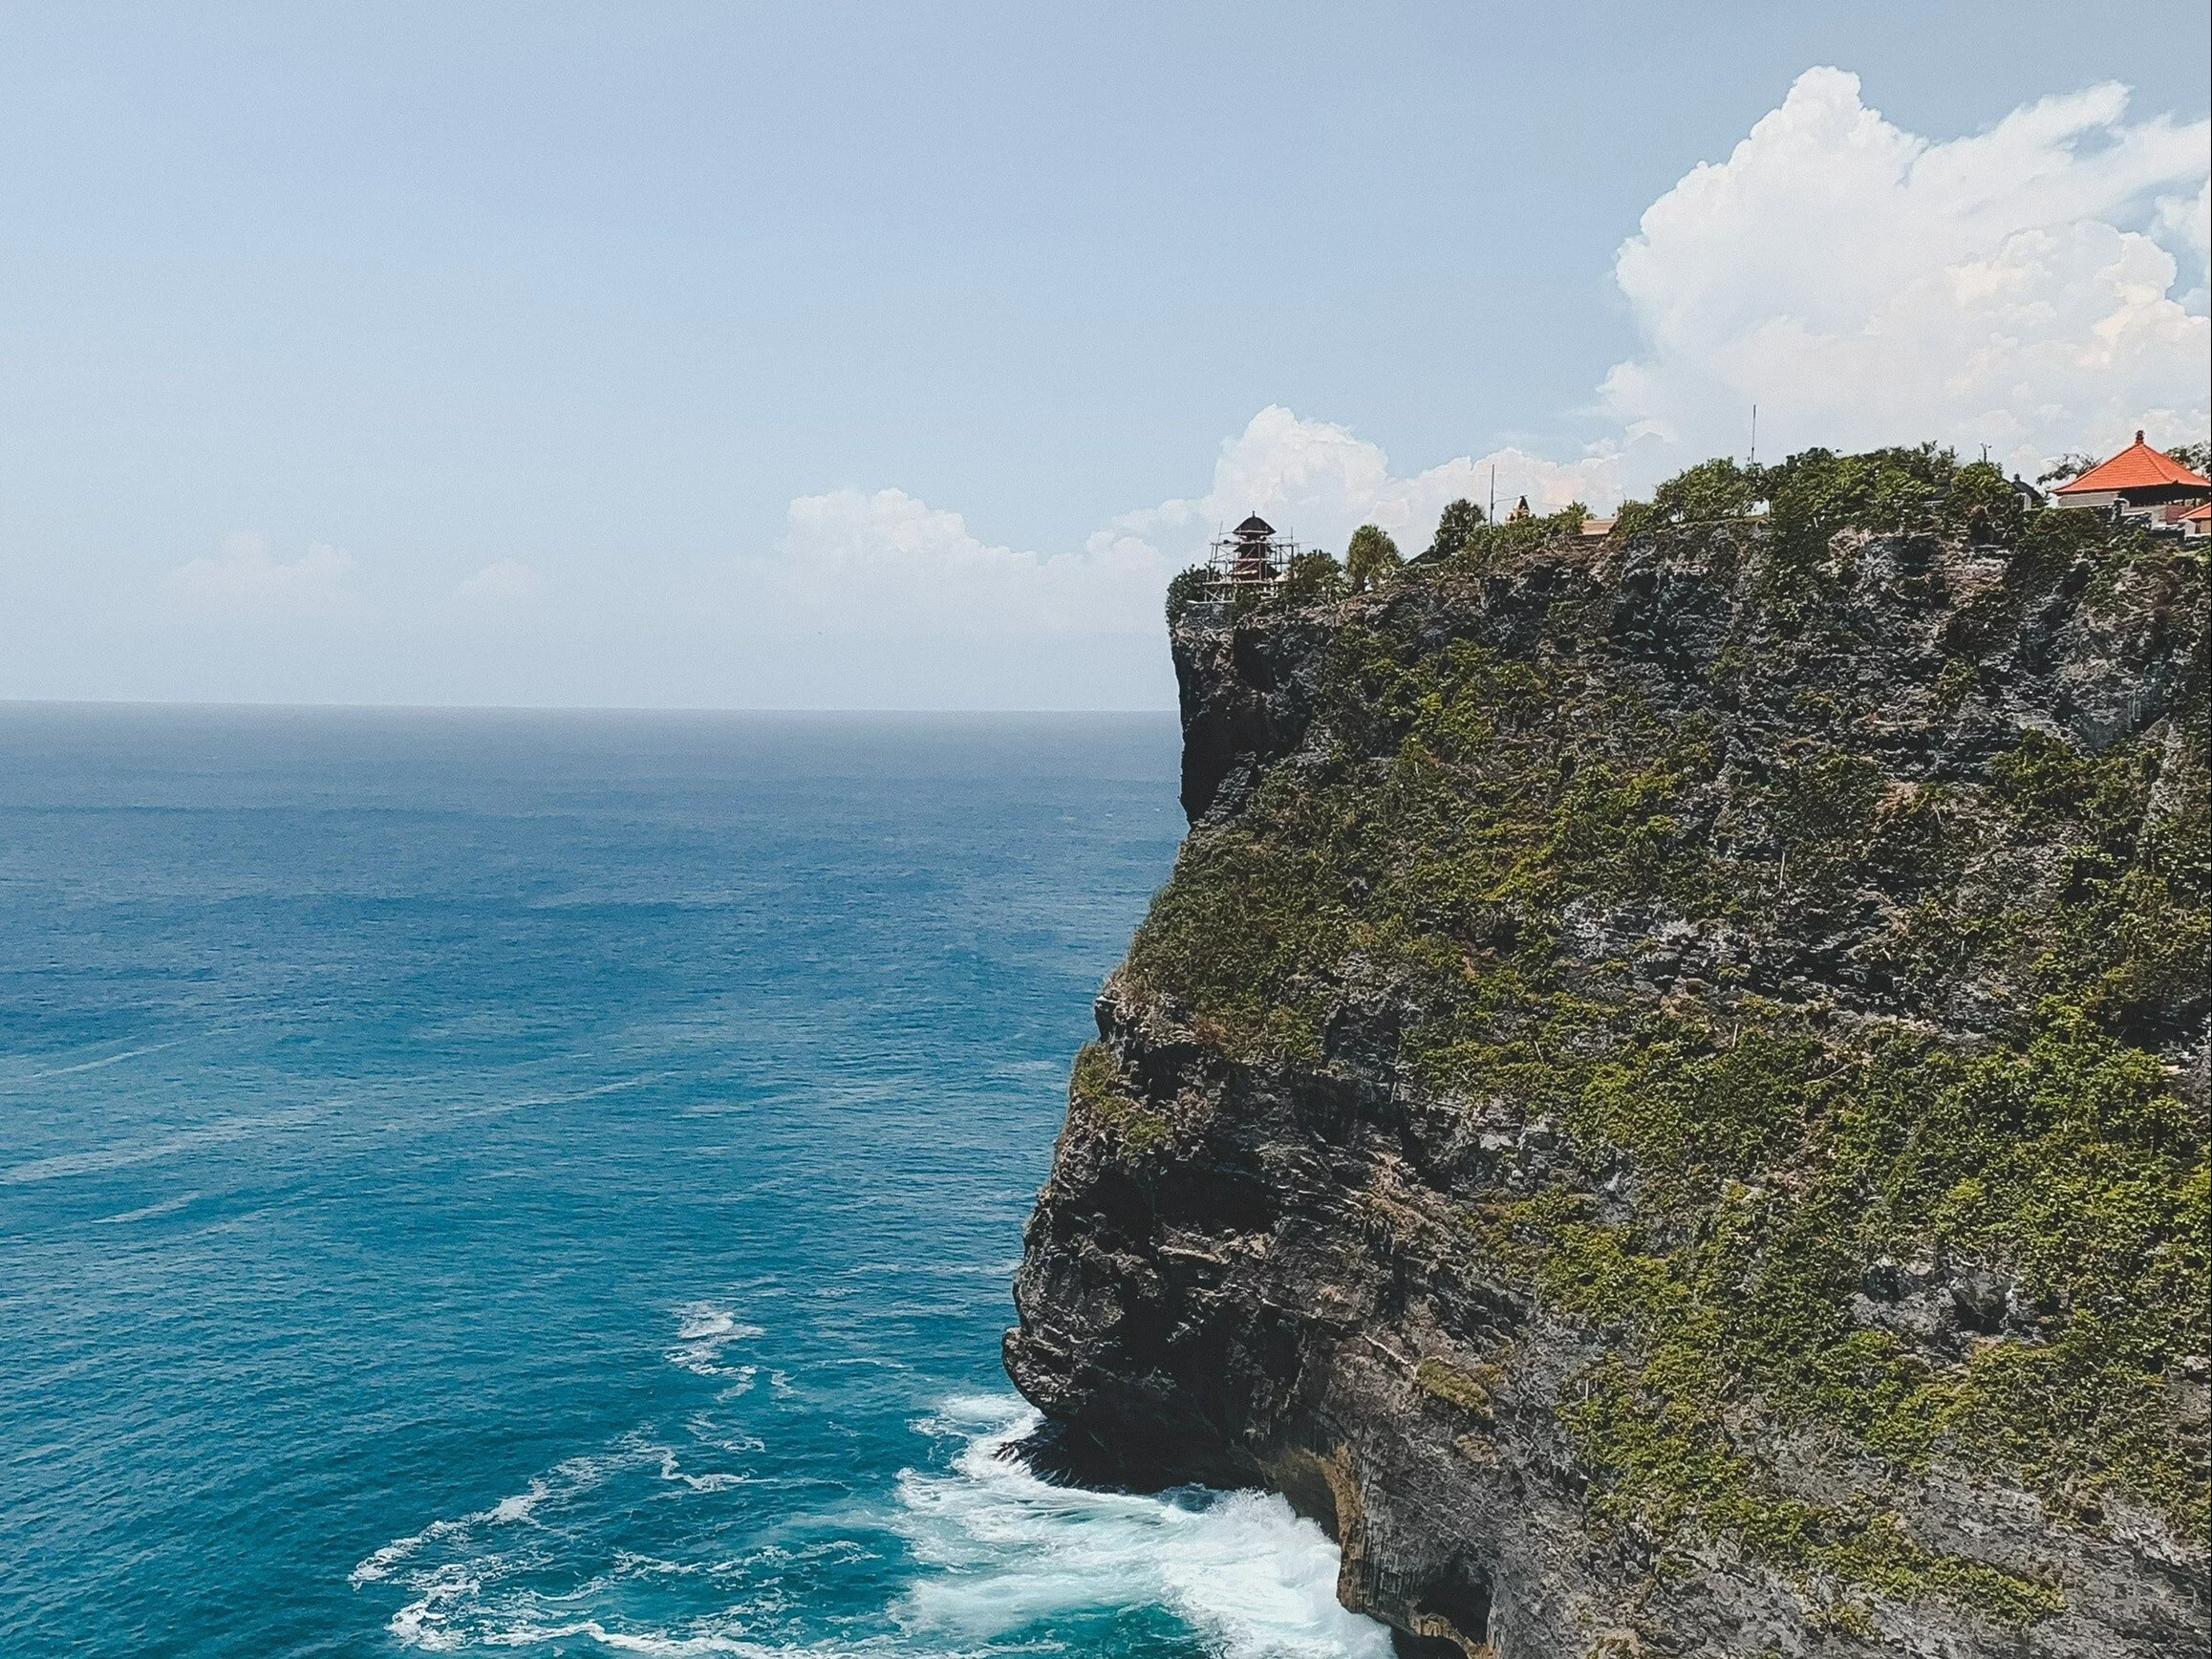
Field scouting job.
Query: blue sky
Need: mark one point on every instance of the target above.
(700, 354)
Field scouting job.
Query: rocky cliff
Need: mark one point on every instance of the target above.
(1664, 1101)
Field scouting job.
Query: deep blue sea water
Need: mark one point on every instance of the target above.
(549, 1184)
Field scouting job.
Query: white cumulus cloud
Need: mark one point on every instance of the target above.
(245, 582)
(885, 561)
(504, 581)
(2038, 287)
(1321, 482)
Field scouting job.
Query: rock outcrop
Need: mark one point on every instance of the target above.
(1666, 1099)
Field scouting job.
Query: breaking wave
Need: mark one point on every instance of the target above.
(995, 1560)
(705, 1330)
(1014, 1552)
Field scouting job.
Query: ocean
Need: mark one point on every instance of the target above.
(549, 1184)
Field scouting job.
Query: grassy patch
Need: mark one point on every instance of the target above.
(1097, 1089)
(1457, 1384)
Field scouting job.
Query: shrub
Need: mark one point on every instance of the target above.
(1186, 589)
(1489, 545)
(1312, 576)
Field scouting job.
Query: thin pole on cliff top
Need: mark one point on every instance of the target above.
(1493, 492)
(1752, 459)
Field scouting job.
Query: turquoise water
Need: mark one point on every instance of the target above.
(549, 1184)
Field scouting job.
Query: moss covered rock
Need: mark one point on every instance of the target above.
(1725, 1002)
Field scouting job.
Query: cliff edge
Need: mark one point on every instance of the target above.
(1664, 1101)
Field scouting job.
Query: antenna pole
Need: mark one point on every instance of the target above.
(1752, 460)
(1493, 492)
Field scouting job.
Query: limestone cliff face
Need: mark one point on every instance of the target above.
(1664, 1101)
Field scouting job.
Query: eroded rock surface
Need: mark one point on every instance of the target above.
(1666, 1100)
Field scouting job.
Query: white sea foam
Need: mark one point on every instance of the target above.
(704, 1329)
(520, 1506)
(523, 1102)
(1006, 1563)
(420, 1624)
(100, 1065)
(740, 1384)
(1014, 1551)
(672, 1469)
(168, 1206)
(564, 1483)
(115, 1157)
(661, 1646)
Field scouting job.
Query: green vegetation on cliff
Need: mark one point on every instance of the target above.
(1908, 1055)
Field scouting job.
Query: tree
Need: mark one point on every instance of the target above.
(2067, 466)
(1371, 556)
(1186, 589)
(2197, 457)
(1460, 521)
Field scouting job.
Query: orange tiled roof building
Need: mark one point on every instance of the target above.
(2138, 478)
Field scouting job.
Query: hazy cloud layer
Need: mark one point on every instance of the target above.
(1321, 481)
(887, 563)
(244, 584)
(502, 582)
(2038, 288)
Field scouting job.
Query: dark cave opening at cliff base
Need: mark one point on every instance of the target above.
(1460, 1597)
(1065, 1455)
